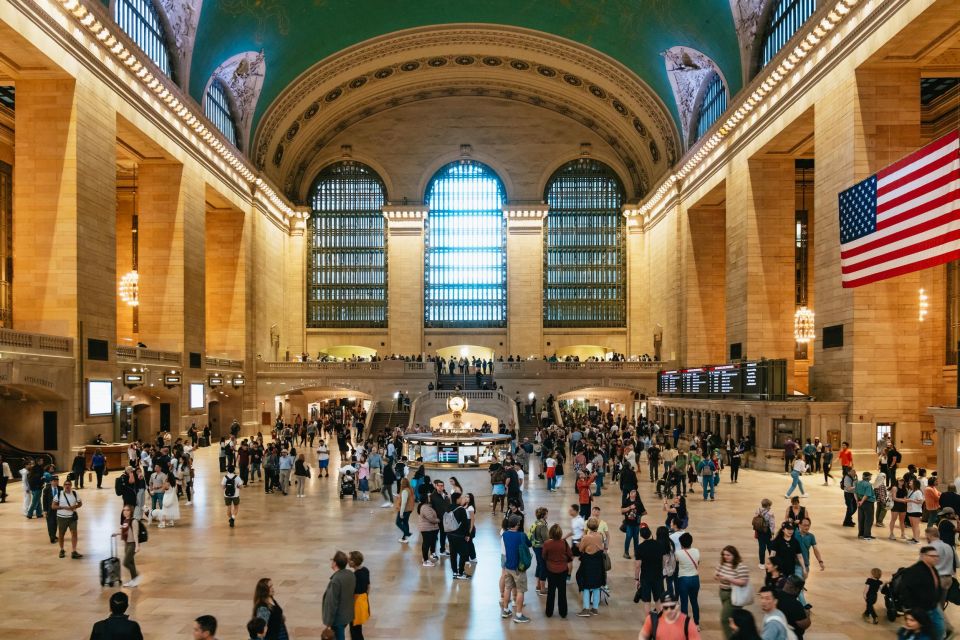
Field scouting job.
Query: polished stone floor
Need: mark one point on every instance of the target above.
(201, 566)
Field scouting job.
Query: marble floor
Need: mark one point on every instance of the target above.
(201, 566)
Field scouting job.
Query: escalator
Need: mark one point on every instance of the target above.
(17, 457)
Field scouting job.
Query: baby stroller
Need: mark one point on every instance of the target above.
(664, 488)
(892, 598)
(348, 485)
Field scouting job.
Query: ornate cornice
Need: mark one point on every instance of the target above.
(366, 72)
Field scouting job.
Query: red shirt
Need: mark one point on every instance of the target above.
(557, 555)
(846, 457)
(583, 489)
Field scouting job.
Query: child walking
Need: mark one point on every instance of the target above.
(870, 590)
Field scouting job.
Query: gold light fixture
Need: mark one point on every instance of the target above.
(924, 305)
(803, 325)
(129, 289)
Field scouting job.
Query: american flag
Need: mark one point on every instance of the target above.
(905, 218)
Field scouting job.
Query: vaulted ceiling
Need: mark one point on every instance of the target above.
(296, 34)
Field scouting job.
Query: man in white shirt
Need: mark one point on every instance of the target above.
(155, 488)
(550, 468)
(577, 525)
(66, 504)
(231, 493)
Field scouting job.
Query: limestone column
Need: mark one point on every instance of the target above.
(405, 278)
(760, 258)
(703, 307)
(64, 229)
(525, 279)
(867, 121)
(639, 338)
(226, 283)
(295, 290)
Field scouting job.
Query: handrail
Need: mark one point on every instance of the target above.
(140, 354)
(36, 342)
(224, 363)
(557, 414)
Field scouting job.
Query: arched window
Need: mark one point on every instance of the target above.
(217, 108)
(712, 106)
(346, 255)
(788, 16)
(466, 265)
(139, 20)
(584, 271)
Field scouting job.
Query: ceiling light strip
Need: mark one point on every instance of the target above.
(758, 98)
(104, 35)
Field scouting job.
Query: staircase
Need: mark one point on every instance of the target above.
(387, 420)
(528, 426)
(449, 382)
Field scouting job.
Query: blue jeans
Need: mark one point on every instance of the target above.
(689, 588)
(599, 483)
(632, 533)
(797, 482)
(35, 505)
(799, 572)
(551, 483)
(938, 623)
(708, 486)
(763, 539)
(673, 587)
(339, 631)
(541, 571)
(591, 598)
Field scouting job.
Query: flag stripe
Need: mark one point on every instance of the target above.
(903, 206)
(932, 148)
(907, 248)
(933, 261)
(888, 190)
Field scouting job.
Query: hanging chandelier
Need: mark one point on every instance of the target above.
(129, 289)
(803, 328)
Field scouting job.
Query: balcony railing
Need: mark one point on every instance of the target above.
(224, 363)
(139, 354)
(35, 343)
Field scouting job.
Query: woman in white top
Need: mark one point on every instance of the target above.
(27, 496)
(171, 505)
(688, 577)
(799, 468)
(914, 509)
(550, 470)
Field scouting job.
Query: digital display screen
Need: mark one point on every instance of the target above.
(100, 398)
(751, 379)
(196, 395)
(756, 379)
(448, 454)
(694, 381)
(669, 382)
(725, 380)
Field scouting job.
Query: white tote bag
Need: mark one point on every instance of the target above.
(741, 596)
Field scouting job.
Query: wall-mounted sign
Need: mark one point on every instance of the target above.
(215, 381)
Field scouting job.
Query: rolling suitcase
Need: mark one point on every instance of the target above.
(110, 568)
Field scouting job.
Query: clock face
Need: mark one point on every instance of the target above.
(456, 403)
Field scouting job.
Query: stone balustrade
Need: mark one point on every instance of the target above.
(24, 342)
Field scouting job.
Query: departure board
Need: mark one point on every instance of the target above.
(751, 380)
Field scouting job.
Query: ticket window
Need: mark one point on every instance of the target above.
(886, 430)
(469, 455)
(783, 430)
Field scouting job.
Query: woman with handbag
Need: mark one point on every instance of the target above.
(688, 577)
(301, 473)
(267, 608)
(735, 592)
(592, 574)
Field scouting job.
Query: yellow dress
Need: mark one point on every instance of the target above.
(361, 608)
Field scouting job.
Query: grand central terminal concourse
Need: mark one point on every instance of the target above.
(532, 319)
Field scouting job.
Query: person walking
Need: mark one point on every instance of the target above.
(827, 464)
(914, 509)
(688, 577)
(866, 501)
(763, 525)
(796, 473)
(882, 495)
(458, 536)
(404, 507)
(559, 564)
(898, 511)
(633, 511)
(361, 594)
(99, 465)
(515, 571)
(129, 535)
(50, 492)
(266, 607)
(301, 472)
(706, 469)
(338, 598)
(668, 624)
(231, 484)
(429, 526)
(849, 486)
(66, 504)
(6, 475)
(919, 588)
(591, 575)
(731, 572)
(538, 536)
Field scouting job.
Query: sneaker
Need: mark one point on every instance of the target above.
(63, 554)
(594, 611)
(129, 584)
(75, 555)
(584, 613)
(505, 613)
(444, 553)
(460, 576)
(231, 522)
(427, 563)
(803, 495)
(404, 540)
(626, 556)
(891, 537)
(189, 503)
(386, 505)
(762, 566)
(520, 619)
(161, 525)
(913, 541)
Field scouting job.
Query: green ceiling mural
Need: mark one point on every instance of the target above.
(295, 34)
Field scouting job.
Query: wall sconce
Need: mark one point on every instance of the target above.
(924, 305)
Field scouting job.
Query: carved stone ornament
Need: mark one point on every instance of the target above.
(243, 75)
(182, 17)
(688, 70)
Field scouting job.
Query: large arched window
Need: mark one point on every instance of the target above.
(139, 20)
(346, 255)
(712, 106)
(787, 17)
(466, 266)
(584, 271)
(217, 108)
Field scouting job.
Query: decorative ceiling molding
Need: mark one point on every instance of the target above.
(243, 75)
(182, 18)
(459, 55)
(747, 18)
(689, 70)
(625, 145)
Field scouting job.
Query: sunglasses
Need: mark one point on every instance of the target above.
(668, 606)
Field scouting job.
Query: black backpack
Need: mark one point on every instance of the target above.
(655, 620)
(142, 534)
(230, 488)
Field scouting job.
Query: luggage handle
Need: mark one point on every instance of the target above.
(114, 545)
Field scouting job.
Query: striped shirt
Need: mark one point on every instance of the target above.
(729, 572)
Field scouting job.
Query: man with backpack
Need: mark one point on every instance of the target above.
(231, 484)
(706, 469)
(668, 624)
(517, 559)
